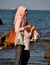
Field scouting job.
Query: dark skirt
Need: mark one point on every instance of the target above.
(25, 57)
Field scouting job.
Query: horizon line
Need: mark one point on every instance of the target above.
(16, 8)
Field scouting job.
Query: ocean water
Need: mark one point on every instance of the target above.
(40, 18)
(35, 17)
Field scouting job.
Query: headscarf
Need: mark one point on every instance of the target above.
(20, 13)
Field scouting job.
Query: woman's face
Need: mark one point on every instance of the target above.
(25, 13)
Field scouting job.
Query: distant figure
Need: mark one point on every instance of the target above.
(1, 23)
(35, 36)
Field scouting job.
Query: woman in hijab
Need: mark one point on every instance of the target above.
(19, 22)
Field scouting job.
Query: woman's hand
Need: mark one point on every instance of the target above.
(28, 26)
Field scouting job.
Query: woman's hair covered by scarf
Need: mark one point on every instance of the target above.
(20, 13)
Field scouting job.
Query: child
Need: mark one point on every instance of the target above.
(26, 52)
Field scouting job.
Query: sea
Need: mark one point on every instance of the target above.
(40, 18)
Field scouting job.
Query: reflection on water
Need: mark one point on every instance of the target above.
(37, 50)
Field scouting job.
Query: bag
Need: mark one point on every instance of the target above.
(11, 37)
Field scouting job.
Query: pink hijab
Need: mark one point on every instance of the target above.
(20, 13)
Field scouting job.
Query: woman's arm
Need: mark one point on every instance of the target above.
(18, 28)
(25, 27)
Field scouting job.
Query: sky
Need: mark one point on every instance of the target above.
(30, 4)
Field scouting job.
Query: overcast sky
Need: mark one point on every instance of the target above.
(30, 4)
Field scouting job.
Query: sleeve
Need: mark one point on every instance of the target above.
(17, 26)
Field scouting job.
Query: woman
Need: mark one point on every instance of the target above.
(19, 22)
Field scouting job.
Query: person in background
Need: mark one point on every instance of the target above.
(19, 22)
(26, 51)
